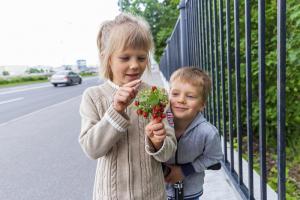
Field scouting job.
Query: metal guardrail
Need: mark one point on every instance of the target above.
(199, 39)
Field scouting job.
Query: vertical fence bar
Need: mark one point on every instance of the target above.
(198, 39)
(238, 88)
(204, 35)
(183, 34)
(218, 124)
(223, 78)
(189, 32)
(229, 84)
(206, 50)
(209, 114)
(249, 96)
(203, 42)
(201, 34)
(281, 83)
(194, 30)
(212, 63)
(262, 107)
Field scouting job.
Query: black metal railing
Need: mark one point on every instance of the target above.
(198, 39)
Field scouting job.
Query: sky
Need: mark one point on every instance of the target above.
(51, 32)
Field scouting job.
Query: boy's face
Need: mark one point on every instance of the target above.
(185, 100)
(128, 65)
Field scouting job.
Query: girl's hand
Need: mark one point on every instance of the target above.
(156, 132)
(125, 95)
(175, 174)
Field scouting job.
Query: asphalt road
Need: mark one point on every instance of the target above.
(40, 157)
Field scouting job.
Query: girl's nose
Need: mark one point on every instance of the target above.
(134, 64)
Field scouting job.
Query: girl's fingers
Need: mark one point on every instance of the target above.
(160, 132)
(133, 84)
(129, 91)
(157, 126)
(124, 94)
(159, 138)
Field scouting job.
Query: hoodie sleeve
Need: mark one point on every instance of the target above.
(212, 153)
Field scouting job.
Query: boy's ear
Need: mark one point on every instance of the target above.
(202, 106)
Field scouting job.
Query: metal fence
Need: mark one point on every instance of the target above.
(201, 33)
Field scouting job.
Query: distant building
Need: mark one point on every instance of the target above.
(67, 67)
(14, 70)
(81, 64)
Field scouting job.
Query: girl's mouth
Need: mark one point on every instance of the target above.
(133, 76)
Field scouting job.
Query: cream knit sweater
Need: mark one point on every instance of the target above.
(128, 166)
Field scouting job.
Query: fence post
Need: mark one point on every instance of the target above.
(183, 34)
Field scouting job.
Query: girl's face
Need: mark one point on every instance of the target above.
(128, 65)
(185, 100)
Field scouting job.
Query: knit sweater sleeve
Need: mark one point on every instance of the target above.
(98, 135)
(168, 148)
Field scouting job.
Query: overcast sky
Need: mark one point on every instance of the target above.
(51, 32)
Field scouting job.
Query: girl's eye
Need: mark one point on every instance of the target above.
(142, 59)
(124, 58)
(174, 94)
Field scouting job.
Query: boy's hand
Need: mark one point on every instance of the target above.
(156, 132)
(125, 95)
(175, 174)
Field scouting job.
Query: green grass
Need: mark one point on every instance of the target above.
(26, 80)
(22, 83)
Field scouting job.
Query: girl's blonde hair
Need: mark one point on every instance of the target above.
(125, 31)
(195, 77)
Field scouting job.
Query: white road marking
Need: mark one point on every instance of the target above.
(37, 111)
(24, 89)
(11, 100)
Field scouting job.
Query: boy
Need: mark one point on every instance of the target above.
(198, 145)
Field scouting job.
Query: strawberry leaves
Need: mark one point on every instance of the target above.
(151, 103)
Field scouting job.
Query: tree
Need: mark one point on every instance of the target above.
(160, 14)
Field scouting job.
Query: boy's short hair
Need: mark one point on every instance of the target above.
(195, 77)
(125, 31)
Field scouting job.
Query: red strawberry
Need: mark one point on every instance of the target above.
(139, 111)
(155, 116)
(157, 108)
(163, 115)
(158, 119)
(136, 103)
(145, 114)
(154, 88)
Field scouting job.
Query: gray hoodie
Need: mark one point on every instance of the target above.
(198, 148)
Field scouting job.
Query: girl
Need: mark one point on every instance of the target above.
(129, 148)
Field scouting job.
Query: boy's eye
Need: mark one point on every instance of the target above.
(190, 95)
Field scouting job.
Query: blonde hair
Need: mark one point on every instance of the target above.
(125, 31)
(195, 77)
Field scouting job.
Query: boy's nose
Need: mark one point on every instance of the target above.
(181, 99)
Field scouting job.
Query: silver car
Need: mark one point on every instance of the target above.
(65, 77)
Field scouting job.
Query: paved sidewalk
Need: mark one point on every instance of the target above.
(216, 184)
